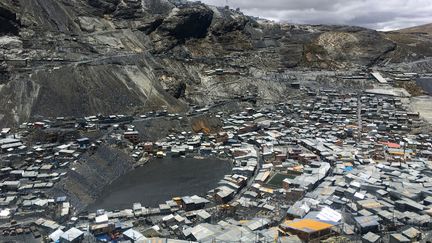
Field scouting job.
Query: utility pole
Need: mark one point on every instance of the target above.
(404, 151)
(360, 128)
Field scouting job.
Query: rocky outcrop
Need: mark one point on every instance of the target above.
(149, 27)
(106, 6)
(181, 24)
(129, 9)
(158, 7)
(346, 46)
(8, 21)
(226, 21)
(92, 24)
(4, 74)
(187, 22)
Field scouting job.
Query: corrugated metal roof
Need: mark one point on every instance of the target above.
(379, 77)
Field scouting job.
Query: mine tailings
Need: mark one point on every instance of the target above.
(162, 179)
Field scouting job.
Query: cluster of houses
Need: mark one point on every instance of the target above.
(30, 169)
(352, 165)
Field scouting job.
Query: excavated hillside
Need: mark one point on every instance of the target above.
(414, 48)
(83, 57)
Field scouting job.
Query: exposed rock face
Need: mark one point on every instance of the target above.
(149, 27)
(107, 6)
(157, 7)
(8, 21)
(360, 46)
(181, 90)
(129, 9)
(227, 21)
(180, 25)
(82, 57)
(108, 88)
(91, 24)
(189, 22)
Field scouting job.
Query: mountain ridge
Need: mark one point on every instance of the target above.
(425, 28)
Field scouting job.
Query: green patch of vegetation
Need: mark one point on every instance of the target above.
(276, 180)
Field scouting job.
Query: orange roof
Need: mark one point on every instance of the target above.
(308, 225)
(396, 153)
(297, 168)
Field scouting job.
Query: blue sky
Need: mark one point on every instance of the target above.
(375, 14)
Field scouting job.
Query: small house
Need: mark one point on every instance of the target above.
(132, 136)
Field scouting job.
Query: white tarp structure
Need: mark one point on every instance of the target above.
(305, 207)
(328, 214)
(101, 219)
(55, 236)
(379, 77)
(359, 195)
(4, 213)
(134, 235)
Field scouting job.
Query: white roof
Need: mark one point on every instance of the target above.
(200, 232)
(359, 195)
(5, 212)
(379, 77)
(328, 214)
(101, 218)
(8, 140)
(55, 236)
(305, 207)
(134, 235)
(72, 234)
(203, 214)
(168, 217)
(67, 151)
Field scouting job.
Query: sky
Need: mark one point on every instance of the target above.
(375, 14)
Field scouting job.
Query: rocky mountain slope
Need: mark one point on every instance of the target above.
(424, 29)
(413, 44)
(82, 57)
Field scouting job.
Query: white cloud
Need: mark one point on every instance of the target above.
(376, 14)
